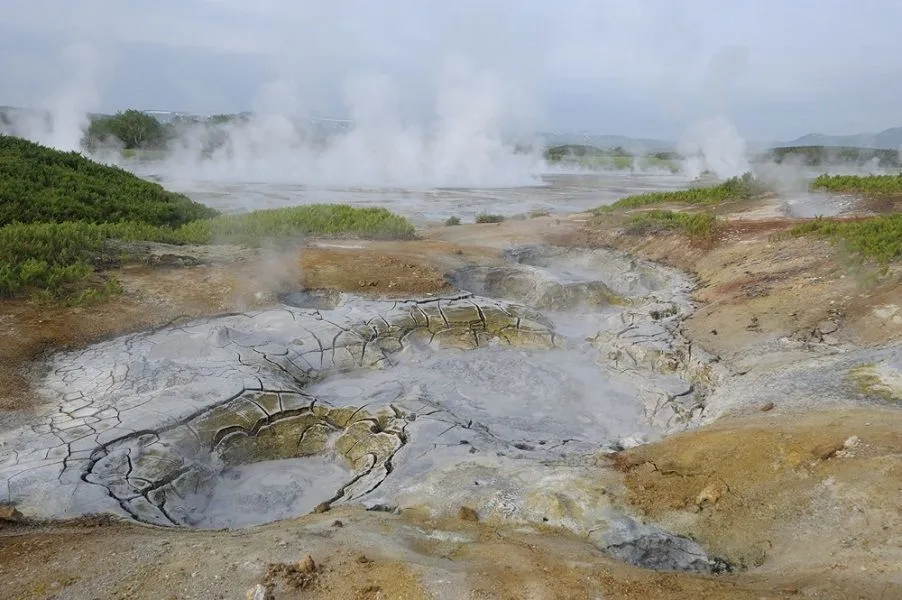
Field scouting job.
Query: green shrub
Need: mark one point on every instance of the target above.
(486, 218)
(38, 184)
(871, 185)
(57, 259)
(58, 212)
(876, 238)
(744, 187)
(450, 221)
(318, 219)
(695, 225)
(132, 129)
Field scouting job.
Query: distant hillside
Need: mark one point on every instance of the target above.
(632, 145)
(889, 139)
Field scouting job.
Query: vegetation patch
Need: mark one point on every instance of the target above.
(699, 226)
(317, 219)
(591, 157)
(451, 221)
(38, 184)
(878, 238)
(131, 129)
(815, 156)
(60, 211)
(867, 380)
(867, 185)
(744, 187)
(486, 218)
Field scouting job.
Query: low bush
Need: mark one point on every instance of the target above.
(56, 257)
(870, 185)
(59, 211)
(744, 187)
(41, 185)
(876, 238)
(485, 218)
(695, 225)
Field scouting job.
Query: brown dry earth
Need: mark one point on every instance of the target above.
(810, 503)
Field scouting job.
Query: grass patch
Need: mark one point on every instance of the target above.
(251, 229)
(867, 381)
(744, 187)
(698, 226)
(59, 211)
(539, 212)
(485, 218)
(868, 185)
(877, 238)
(58, 260)
(451, 221)
(41, 185)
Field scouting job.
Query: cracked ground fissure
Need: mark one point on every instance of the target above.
(233, 401)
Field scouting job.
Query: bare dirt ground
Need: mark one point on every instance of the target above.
(356, 554)
(756, 286)
(808, 502)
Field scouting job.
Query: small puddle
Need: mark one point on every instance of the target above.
(266, 491)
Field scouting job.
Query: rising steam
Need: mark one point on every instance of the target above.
(62, 118)
(714, 145)
(462, 145)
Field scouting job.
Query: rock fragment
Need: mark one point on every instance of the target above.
(827, 450)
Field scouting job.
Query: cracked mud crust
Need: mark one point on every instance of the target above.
(154, 418)
(366, 424)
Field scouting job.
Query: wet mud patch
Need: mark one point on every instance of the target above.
(258, 458)
(150, 421)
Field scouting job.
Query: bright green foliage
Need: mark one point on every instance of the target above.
(321, 219)
(57, 258)
(871, 185)
(744, 187)
(695, 225)
(877, 238)
(58, 212)
(590, 157)
(485, 218)
(38, 184)
(132, 128)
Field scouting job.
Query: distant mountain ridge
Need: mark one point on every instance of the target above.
(888, 139)
(603, 141)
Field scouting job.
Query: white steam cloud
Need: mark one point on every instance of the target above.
(462, 145)
(714, 145)
(62, 118)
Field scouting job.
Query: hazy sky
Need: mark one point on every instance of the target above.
(777, 68)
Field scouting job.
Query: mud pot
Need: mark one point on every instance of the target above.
(528, 388)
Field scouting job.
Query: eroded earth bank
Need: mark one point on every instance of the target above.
(542, 408)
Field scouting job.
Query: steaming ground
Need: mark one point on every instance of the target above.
(554, 193)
